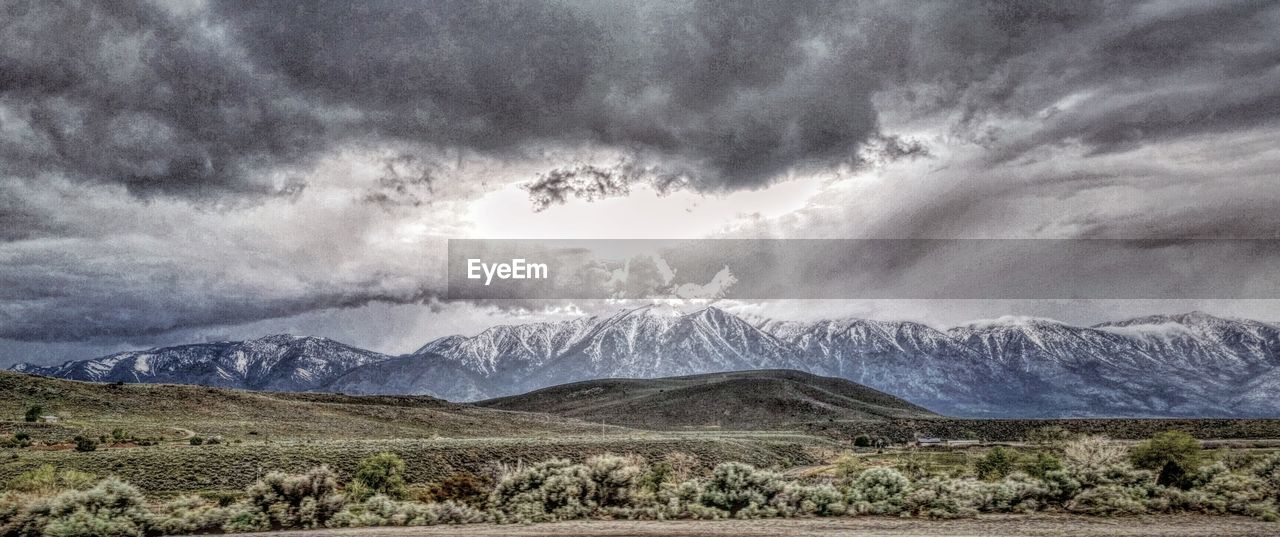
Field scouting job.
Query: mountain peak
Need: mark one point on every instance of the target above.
(1014, 321)
(1192, 318)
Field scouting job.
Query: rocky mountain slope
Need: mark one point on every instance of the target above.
(1186, 365)
(273, 363)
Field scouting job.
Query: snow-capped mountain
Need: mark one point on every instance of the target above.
(1178, 365)
(274, 363)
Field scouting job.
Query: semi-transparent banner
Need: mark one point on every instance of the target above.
(864, 268)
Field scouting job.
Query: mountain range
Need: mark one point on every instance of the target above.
(1188, 365)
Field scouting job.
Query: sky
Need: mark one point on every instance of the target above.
(205, 170)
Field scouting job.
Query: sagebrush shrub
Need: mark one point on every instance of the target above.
(741, 489)
(47, 480)
(112, 508)
(879, 491)
(1018, 493)
(380, 510)
(383, 474)
(615, 479)
(462, 487)
(1090, 454)
(818, 500)
(1234, 493)
(189, 514)
(550, 490)
(296, 501)
(1110, 500)
(939, 497)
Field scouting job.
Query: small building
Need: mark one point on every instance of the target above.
(49, 419)
(963, 442)
(928, 441)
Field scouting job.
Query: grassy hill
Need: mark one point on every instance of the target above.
(163, 410)
(768, 399)
(261, 432)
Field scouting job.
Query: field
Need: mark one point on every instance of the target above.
(1040, 525)
(229, 467)
(169, 411)
(814, 447)
(1013, 430)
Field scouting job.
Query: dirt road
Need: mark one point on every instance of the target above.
(1021, 525)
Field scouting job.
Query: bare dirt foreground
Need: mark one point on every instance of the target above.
(1028, 525)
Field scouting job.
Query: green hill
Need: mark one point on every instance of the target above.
(164, 410)
(769, 399)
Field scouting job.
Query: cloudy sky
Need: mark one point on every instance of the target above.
(186, 171)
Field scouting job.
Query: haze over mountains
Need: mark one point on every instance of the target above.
(1188, 365)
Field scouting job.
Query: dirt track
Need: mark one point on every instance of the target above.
(1029, 525)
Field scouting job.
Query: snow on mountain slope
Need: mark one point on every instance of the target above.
(272, 363)
(1177, 365)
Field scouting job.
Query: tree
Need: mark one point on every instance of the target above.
(862, 441)
(84, 443)
(1174, 454)
(381, 474)
(1092, 454)
(996, 464)
(33, 413)
(1040, 464)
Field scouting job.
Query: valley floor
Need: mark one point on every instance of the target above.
(1036, 525)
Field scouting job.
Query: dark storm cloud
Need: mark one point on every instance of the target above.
(167, 101)
(727, 94)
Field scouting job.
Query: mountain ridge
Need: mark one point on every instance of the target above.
(1183, 365)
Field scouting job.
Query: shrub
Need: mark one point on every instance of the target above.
(381, 474)
(1174, 454)
(1234, 493)
(556, 489)
(938, 497)
(848, 466)
(996, 464)
(246, 517)
(189, 514)
(85, 444)
(19, 439)
(1019, 493)
(683, 465)
(740, 489)
(287, 501)
(380, 510)
(819, 500)
(878, 491)
(463, 487)
(912, 466)
(33, 413)
(1040, 464)
(550, 490)
(110, 508)
(1060, 486)
(1269, 471)
(47, 481)
(862, 441)
(1090, 454)
(1109, 500)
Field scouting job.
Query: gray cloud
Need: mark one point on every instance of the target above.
(181, 122)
